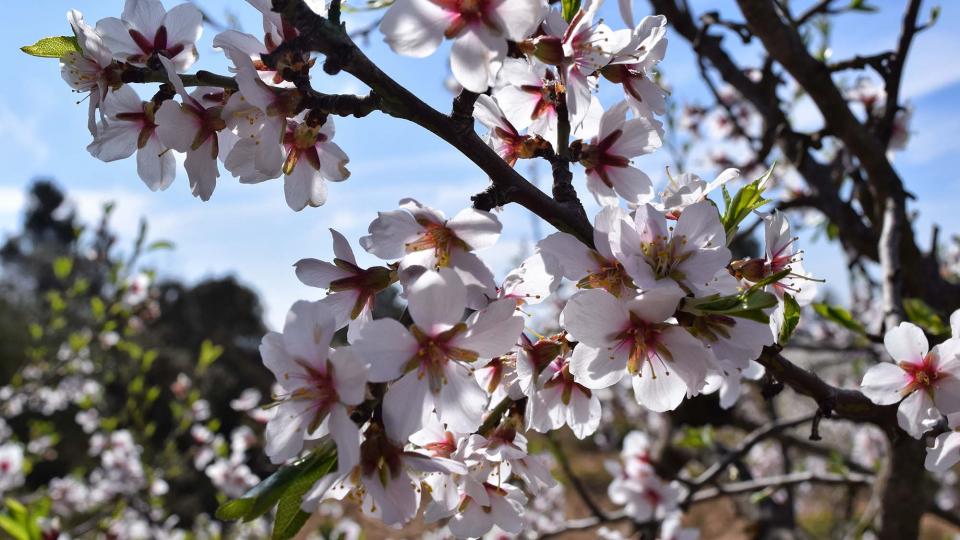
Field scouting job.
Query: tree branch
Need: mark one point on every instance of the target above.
(321, 35)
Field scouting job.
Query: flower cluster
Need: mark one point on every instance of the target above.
(255, 126)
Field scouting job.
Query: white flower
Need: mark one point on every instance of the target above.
(665, 362)
(606, 157)
(928, 381)
(11, 466)
(529, 283)
(91, 69)
(352, 290)
(382, 483)
(146, 29)
(197, 129)
(503, 137)
(729, 383)
(692, 253)
(479, 30)
(566, 256)
(560, 400)
(129, 125)
(434, 359)
(633, 65)
(318, 385)
(311, 158)
(945, 452)
(423, 237)
(687, 188)
(529, 94)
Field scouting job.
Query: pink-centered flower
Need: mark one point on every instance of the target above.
(607, 157)
(617, 338)
(529, 93)
(130, 126)
(420, 236)
(196, 127)
(434, 358)
(317, 383)
(352, 289)
(560, 400)
(632, 66)
(479, 30)
(691, 253)
(146, 29)
(92, 69)
(566, 256)
(926, 382)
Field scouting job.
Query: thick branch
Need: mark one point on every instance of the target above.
(320, 35)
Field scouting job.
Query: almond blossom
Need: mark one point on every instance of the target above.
(195, 126)
(566, 256)
(479, 29)
(503, 138)
(780, 254)
(92, 69)
(352, 289)
(529, 93)
(311, 158)
(11, 466)
(423, 237)
(945, 452)
(146, 29)
(129, 126)
(687, 188)
(606, 157)
(318, 386)
(632, 337)
(926, 382)
(385, 483)
(435, 357)
(692, 253)
(561, 400)
(633, 65)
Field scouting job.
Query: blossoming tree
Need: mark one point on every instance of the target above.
(429, 415)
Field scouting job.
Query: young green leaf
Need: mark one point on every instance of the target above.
(265, 495)
(840, 316)
(570, 8)
(53, 47)
(921, 314)
(745, 201)
(791, 317)
(290, 518)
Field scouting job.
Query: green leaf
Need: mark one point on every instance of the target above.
(14, 529)
(160, 244)
(62, 266)
(791, 317)
(747, 199)
(747, 305)
(290, 518)
(570, 8)
(209, 353)
(265, 495)
(840, 316)
(921, 314)
(53, 47)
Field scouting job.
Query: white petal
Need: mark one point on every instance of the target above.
(594, 317)
(597, 368)
(176, 127)
(414, 27)
(389, 233)
(477, 228)
(436, 300)
(349, 375)
(461, 402)
(346, 434)
(494, 330)
(883, 382)
(156, 165)
(397, 501)
(406, 406)
(660, 393)
(316, 273)
(202, 171)
(471, 56)
(906, 343)
(308, 330)
(916, 413)
(387, 346)
(945, 452)
(304, 187)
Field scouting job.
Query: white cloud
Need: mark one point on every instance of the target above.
(23, 132)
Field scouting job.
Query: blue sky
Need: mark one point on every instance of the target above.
(248, 230)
